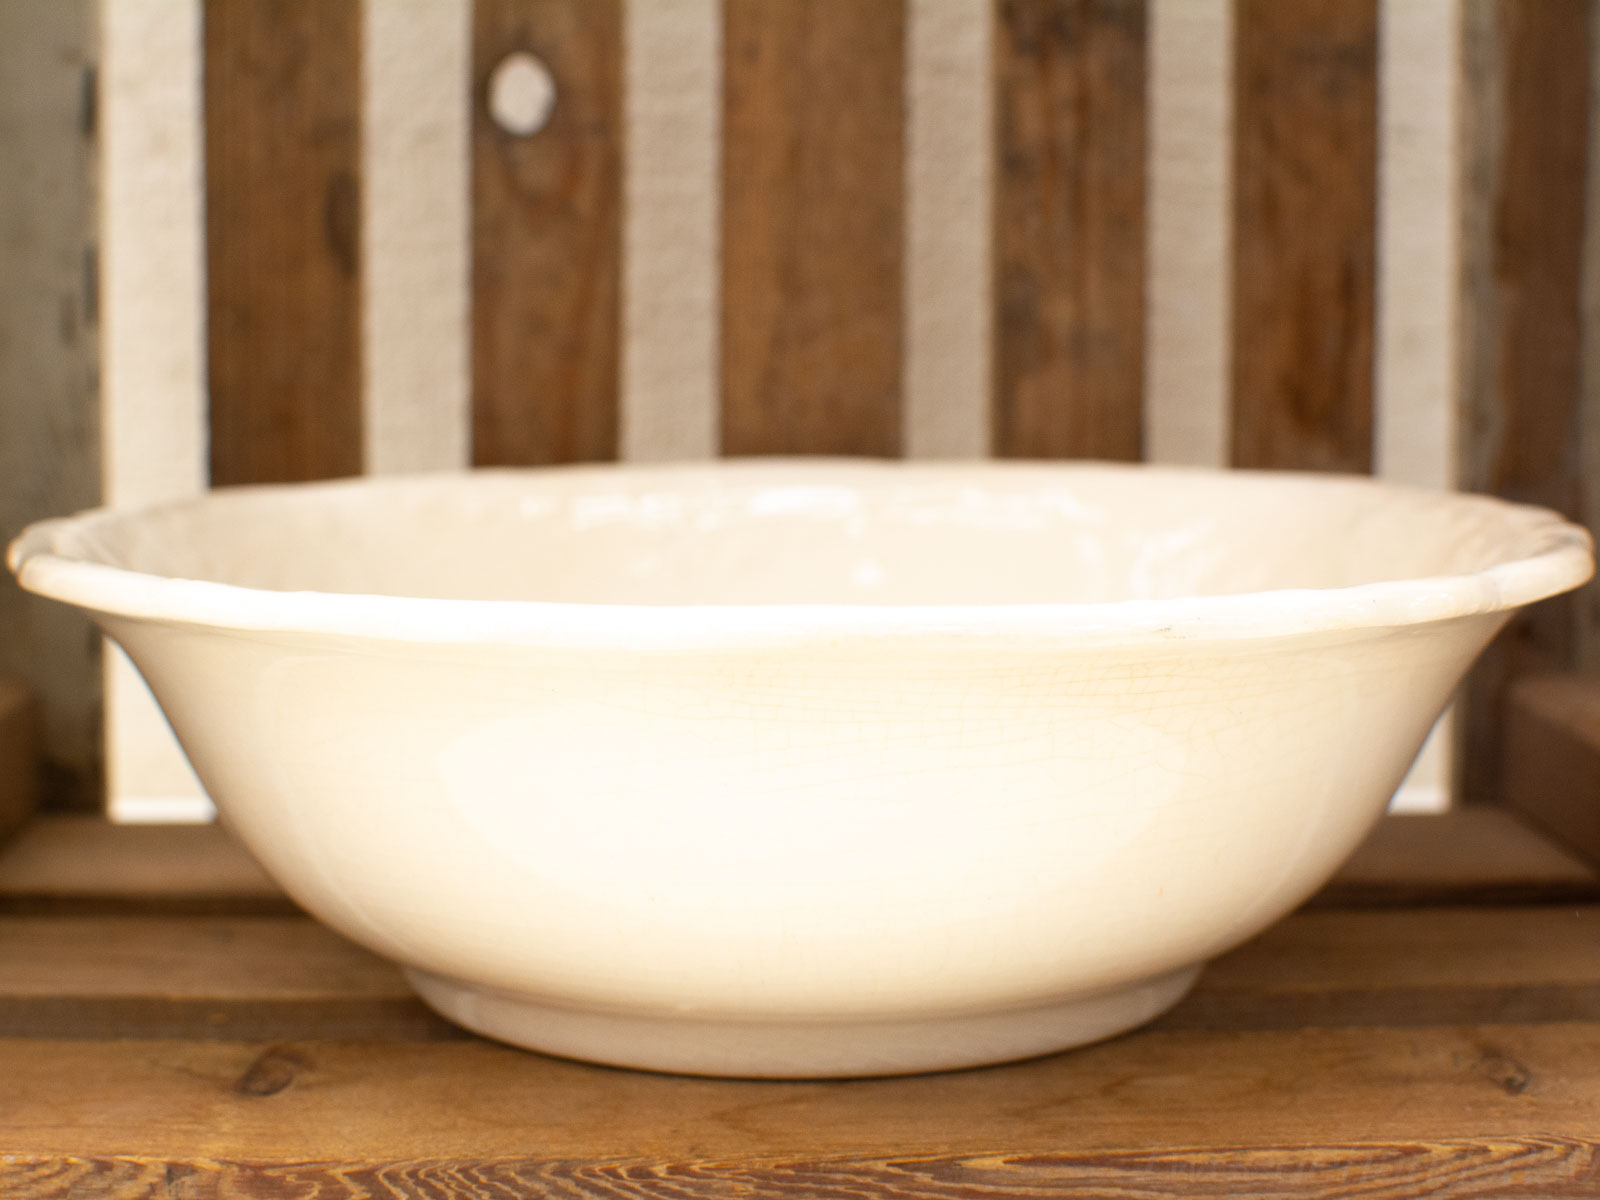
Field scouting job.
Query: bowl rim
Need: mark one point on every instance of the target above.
(1557, 558)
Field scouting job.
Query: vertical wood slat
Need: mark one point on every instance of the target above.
(1189, 305)
(154, 442)
(673, 133)
(546, 239)
(1527, 140)
(414, 221)
(282, 147)
(1416, 389)
(1304, 233)
(949, 238)
(1069, 228)
(812, 222)
(49, 412)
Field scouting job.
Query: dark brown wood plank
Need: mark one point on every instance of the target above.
(233, 978)
(546, 239)
(1468, 856)
(1180, 1097)
(248, 978)
(812, 213)
(1402, 968)
(1305, 201)
(1539, 1168)
(283, 239)
(81, 864)
(1552, 757)
(19, 756)
(1069, 231)
(1527, 146)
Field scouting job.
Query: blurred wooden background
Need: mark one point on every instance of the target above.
(256, 240)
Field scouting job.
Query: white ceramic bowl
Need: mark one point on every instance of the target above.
(809, 767)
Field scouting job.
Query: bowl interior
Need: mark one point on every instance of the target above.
(818, 533)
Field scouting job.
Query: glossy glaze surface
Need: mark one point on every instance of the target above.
(789, 746)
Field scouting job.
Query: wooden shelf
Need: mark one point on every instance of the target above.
(224, 1044)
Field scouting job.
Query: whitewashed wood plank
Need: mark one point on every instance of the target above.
(153, 431)
(672, 98)
(949, 259)
(1415, 417)
(1189, 280)
(416, 212)
(49, 451)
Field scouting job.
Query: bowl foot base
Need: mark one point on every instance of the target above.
(798, 1049)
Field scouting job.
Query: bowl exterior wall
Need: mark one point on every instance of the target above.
(853, 832)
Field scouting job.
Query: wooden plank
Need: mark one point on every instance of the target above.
(64, 864)
(671, 313)
(49, 410)
(1588, 618)
(154, 440)
(1400, 968)
(1070, 228)
(1527, 146)
(546, 237)
(1544, 1168)
(1552, 757)
(416, 241)
(233, 978)
(1305, 161)
(250, 978)
(949, 235)
(1504, 1099)
(19, 756)
(812, 220)
(283, 242)
(1187, 375)
(1468, 856)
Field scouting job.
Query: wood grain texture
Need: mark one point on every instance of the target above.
(1552, 757)
(1526, 133)
(1304, 222)
(1534, 1167)
(49, 342)
(283, 244)
(297, 1068)
(1402, 968)
(231, 978)
(1069, 218)
(812, 218)
(1182, 1092)
(546, 238)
